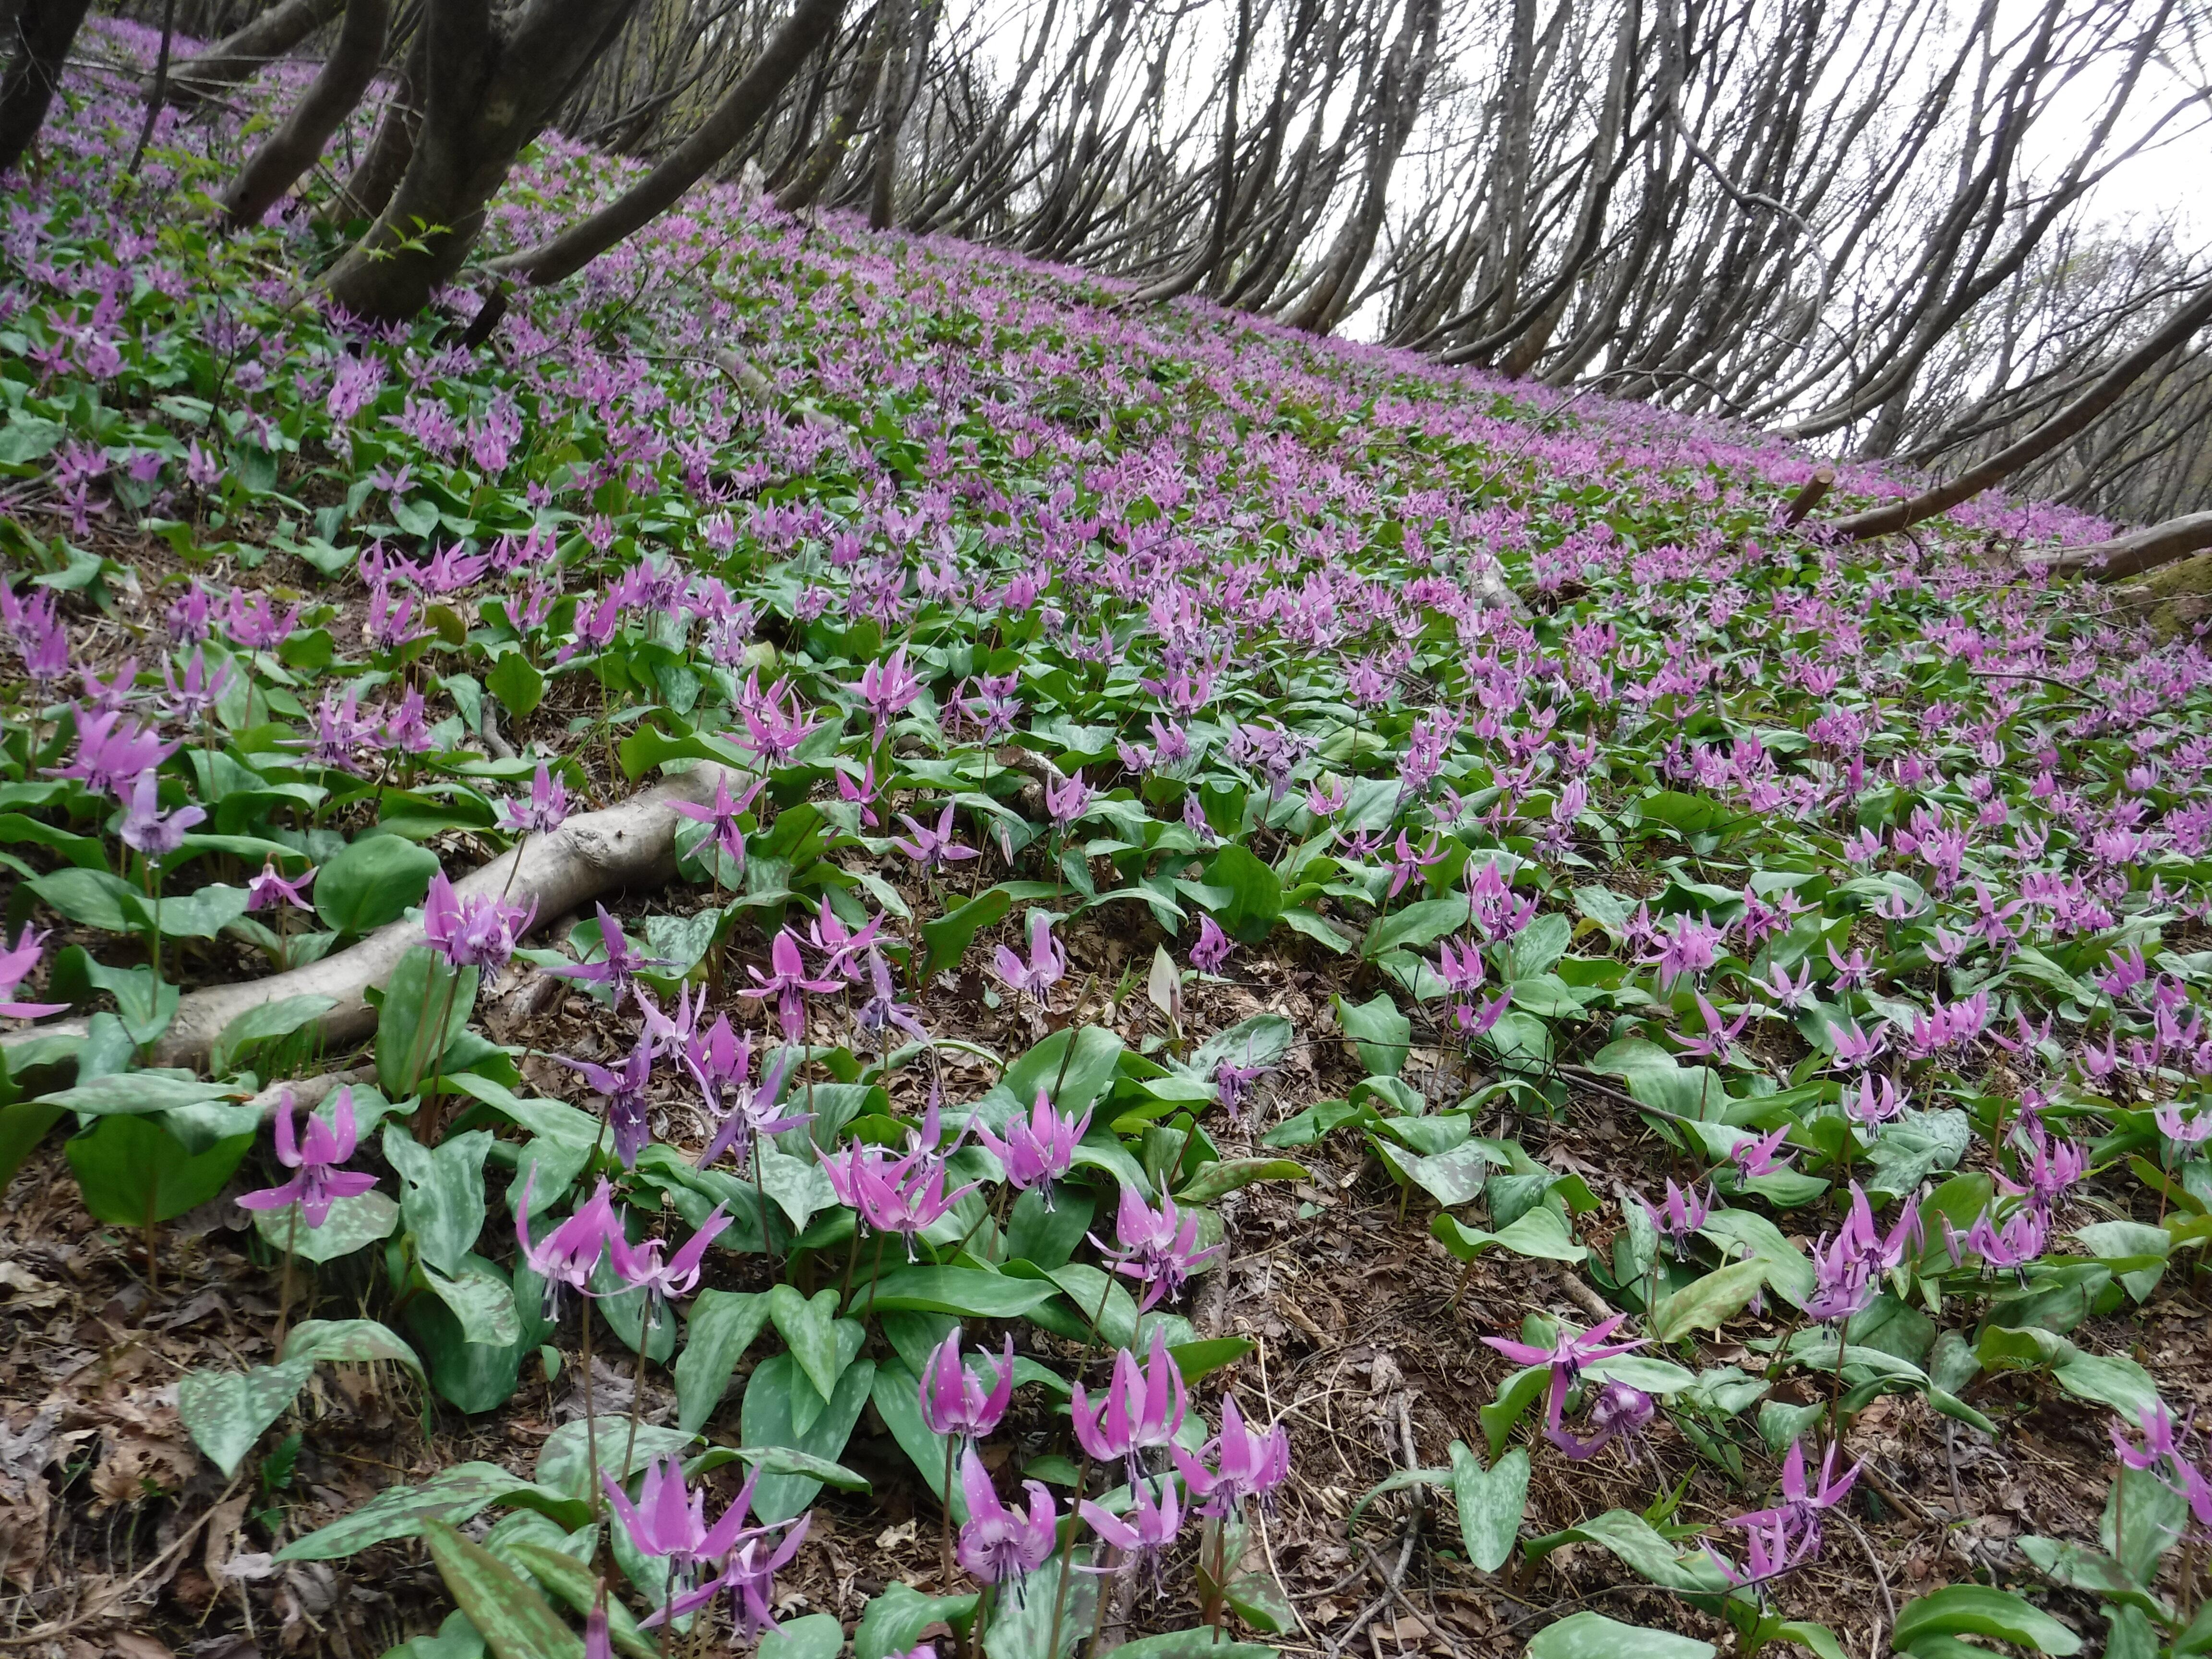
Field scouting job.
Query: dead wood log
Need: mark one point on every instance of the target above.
(2135, 552)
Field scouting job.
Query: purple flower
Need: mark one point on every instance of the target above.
(197, 695)
(1213, 948)
(842, 947)
(1141, 1409)
(112, 752)
(1713, 1044)
(1037, 1150)
(1681, 1216)
(934, 849)
(953, 1400)
(317, 1182)
(723, 813)
(2186, 1130)
(1068, 799)
(1798, 1514)
(1047, 966)
(1158, 1248)
(1872, 1102)
(1570, 1352)
(901, 1195)
(1247, 1463)
(17, 965)
(548, 808)
(567, 1256)
(616, 967)
(888, 688)
(997, 1542)
(787, 982)
(1754, 1157)
(723, 1064)
(882, 1012)
(1769, 1553)
(640, 1266)
(749, 1578)
(626, 1100)
(154, 833)
(1149, 1529)
(256, 623)
(477, 931)
(270, 887)
(669, 1519)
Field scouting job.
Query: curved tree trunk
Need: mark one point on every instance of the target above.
(489, 87)
(830, 150)
(742, 109)
(237, 56)
(45, 30)
(2138, 551)
(297, 145)
(2102, 394)
(382, 165)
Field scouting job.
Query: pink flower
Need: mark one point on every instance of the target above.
(1047, 965)
(1036, 1151)
(1141, 1410)
(1248, 1463)
(319, 1183)
(953, 1400)
(17, 965)
(998, 1542)
(477, 931)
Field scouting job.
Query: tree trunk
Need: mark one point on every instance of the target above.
(44, 31)
(297, 145)
(744, 105)
(882, 184)
(1208, 256)
(392, 146)
(2137, 551)
(2101, 395)
(830, 150)
(489, 89)
(236, 57)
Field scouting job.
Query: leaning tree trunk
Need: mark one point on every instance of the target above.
(743, 108)
(44, 31)
(2138, 551)
(298, 144)
(2102, 394)
(384, 163)
(822, 161)
(489, 87)
(238, 55)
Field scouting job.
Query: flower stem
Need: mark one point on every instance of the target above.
(944, 1540)
(284, 1291)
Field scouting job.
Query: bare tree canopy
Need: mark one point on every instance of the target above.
(1881, 227)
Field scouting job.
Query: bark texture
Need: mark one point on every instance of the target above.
(45, 30)
(297, 145)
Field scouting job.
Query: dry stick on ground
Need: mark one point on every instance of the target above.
(1808, 497)
(626, 846)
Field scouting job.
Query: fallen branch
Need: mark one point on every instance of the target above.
(2133, 554)
(629, 845)
(1808, 497)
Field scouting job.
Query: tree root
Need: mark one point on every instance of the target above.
(629, 845)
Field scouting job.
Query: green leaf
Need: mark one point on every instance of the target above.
(421, 988)
(481, 1302)
(262, 1021)
(225, 1411)
(1788, 1274)
(443, 1202)
(1201, 1644)
(1594, 1636)
(1070, 1081)
(718, 1329)
(92, 897)
(138, 1093)
(1640, 1546)
(372, 881)
(577, 1586)
(351, 1224)
(1490, 1503)
(767, 1418)
(810, 1327)
(1979, 1610)
(945, 940)
(1020, 1627)
(817, 1636)
(453, 1495)
(519, 687)
(134, 1173)
(1381, 1034)
(23, 1125)
(970, 1293)
(1542, 1234)
(514, 1618)
(1215, 1180)
(1417, 925)
(27, 438)
(1255, 893)
(1197, 1359)
(1709, 1303)
(896, 1620)
(565, 1462)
